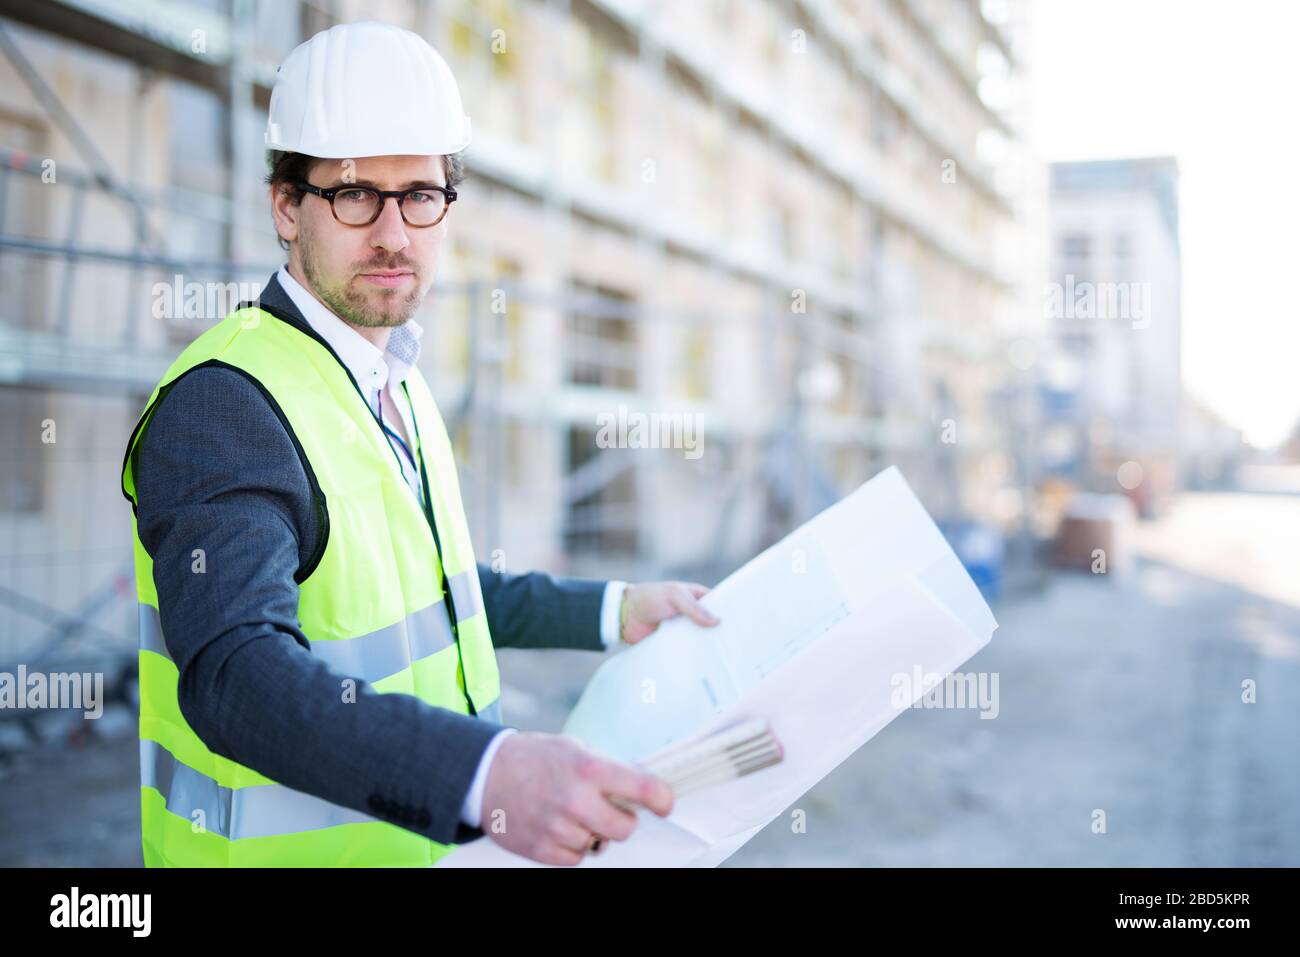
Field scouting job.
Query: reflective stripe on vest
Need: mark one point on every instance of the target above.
(260, 810)
(374, 606)
(371, 657)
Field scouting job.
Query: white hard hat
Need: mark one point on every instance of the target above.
(366, 89)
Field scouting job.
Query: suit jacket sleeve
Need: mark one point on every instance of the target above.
(536, 610)
(216, 470)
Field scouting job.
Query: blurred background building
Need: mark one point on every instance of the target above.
(1113, 389)
(800, 224)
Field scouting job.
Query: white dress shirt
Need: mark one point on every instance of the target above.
(377, 372)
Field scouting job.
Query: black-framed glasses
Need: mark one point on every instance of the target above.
(361, 205)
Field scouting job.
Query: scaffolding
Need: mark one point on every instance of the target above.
(825, 364)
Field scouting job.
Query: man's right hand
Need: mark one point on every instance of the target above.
(546, 795)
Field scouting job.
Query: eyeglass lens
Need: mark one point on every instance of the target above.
(357, 207)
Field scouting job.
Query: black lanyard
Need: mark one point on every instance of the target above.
(426, 504)
(391, 435)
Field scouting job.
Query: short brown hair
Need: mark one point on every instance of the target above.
(286, 170)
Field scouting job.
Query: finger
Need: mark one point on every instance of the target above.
(697, 591)
(598, 816)
(570, 835)
(685, 603)
(637, 786)
(561, 857)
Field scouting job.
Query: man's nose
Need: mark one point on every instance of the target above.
(389, 230)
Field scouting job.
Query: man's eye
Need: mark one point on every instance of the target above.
(421, 197)
(352, 196)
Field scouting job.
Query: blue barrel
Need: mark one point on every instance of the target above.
(981, 548)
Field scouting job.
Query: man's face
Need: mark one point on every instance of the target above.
(374, 275)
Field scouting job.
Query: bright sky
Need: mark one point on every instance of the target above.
(1218, 86)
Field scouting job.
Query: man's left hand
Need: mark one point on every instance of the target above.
(647, 604)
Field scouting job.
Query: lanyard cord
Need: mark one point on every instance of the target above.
(423, 495)
(390, 435)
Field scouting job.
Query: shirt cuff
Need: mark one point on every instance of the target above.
(472, 809)
(611, 629)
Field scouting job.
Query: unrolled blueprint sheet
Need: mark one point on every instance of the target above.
(813, 634)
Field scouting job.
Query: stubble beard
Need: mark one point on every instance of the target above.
(351, 305)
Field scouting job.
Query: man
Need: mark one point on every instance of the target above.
(317, 677)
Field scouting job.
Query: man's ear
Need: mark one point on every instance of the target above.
(284, 212)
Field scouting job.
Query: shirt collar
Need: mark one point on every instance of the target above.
(368, 365)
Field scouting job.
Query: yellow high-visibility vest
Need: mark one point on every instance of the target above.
(404, 611)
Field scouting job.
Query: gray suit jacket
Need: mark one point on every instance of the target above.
(216, 470)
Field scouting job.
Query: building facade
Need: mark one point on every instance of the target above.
(780, 236)
(1113, 304)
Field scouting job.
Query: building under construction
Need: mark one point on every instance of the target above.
(793, 231)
